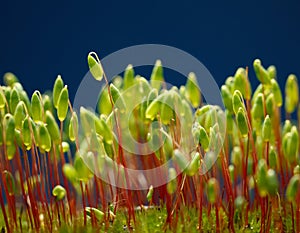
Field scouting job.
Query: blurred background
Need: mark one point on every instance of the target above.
(40, 39)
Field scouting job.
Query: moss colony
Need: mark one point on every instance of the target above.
(54, 171)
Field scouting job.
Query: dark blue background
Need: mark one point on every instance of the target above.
(39, 39)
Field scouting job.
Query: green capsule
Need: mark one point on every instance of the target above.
(276, 92)
(204, 139)
(128, 77)
(117, 98)
(180, 159)
(172, 185)
(14, 100)
(236, 156)
(261, 74)
(227, 97)
(272, 182)
(94, 66)
(194, 165)
(97, 213)
(10, 151)
(242, 84)
(293, 188)
(166, 109)
(229, 82)
(59, 192)
(150, 193)
(266, 129)
(44, 138)
(57, 88)
(272, 72)
(258, 107)
(52, 127)
(19, 114)
(213, 190)
(261, 178)
(47, 103)
(2, 99)
(157, 76)
(239, 203)
(291, 93)
(88, 121)
(104, 104)
(273, 158)
(294, 144)
(36, 107)
(73, 127)
(152, 96)
(192, 90)
(70, 172)
(287, 126)
(63, 104)
(270, 104)
(296, 170)
(26, 133)
(9, 79)
(242, 124)
(231, 172)
(154, 107)
(237, 101)
(82, 170)
(229, 122)
(9, 128)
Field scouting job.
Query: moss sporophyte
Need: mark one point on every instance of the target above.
(66, 170)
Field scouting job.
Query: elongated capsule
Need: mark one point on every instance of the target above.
(14, 100)
(36, 107)
(180, 159)
(19, 114)
(44, 138)
(63, 104)
(261, 178)
(192, 90)
(97, 213)
(2, 98)
(272, 72)
(117, 98)
(194, 165)
(266, 129)
(58, 86)
(128, 77)
(227, 97)
(273, 158)
(70, 172)
(213, 190)
(261, 74)
(73, 127)
(258, 107)
(104, 104)
(272, 182)
(52, 127)
(9, 79)
(172, 185)
(276, 92)
(293, 188)
(291, 93)
(26, 133)
(157, 76)
(242, 84)
(166, 109)
(241, 119)
(270, 104)
(237, 101)
(9, 128)
(82, 170)
(94, 66)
